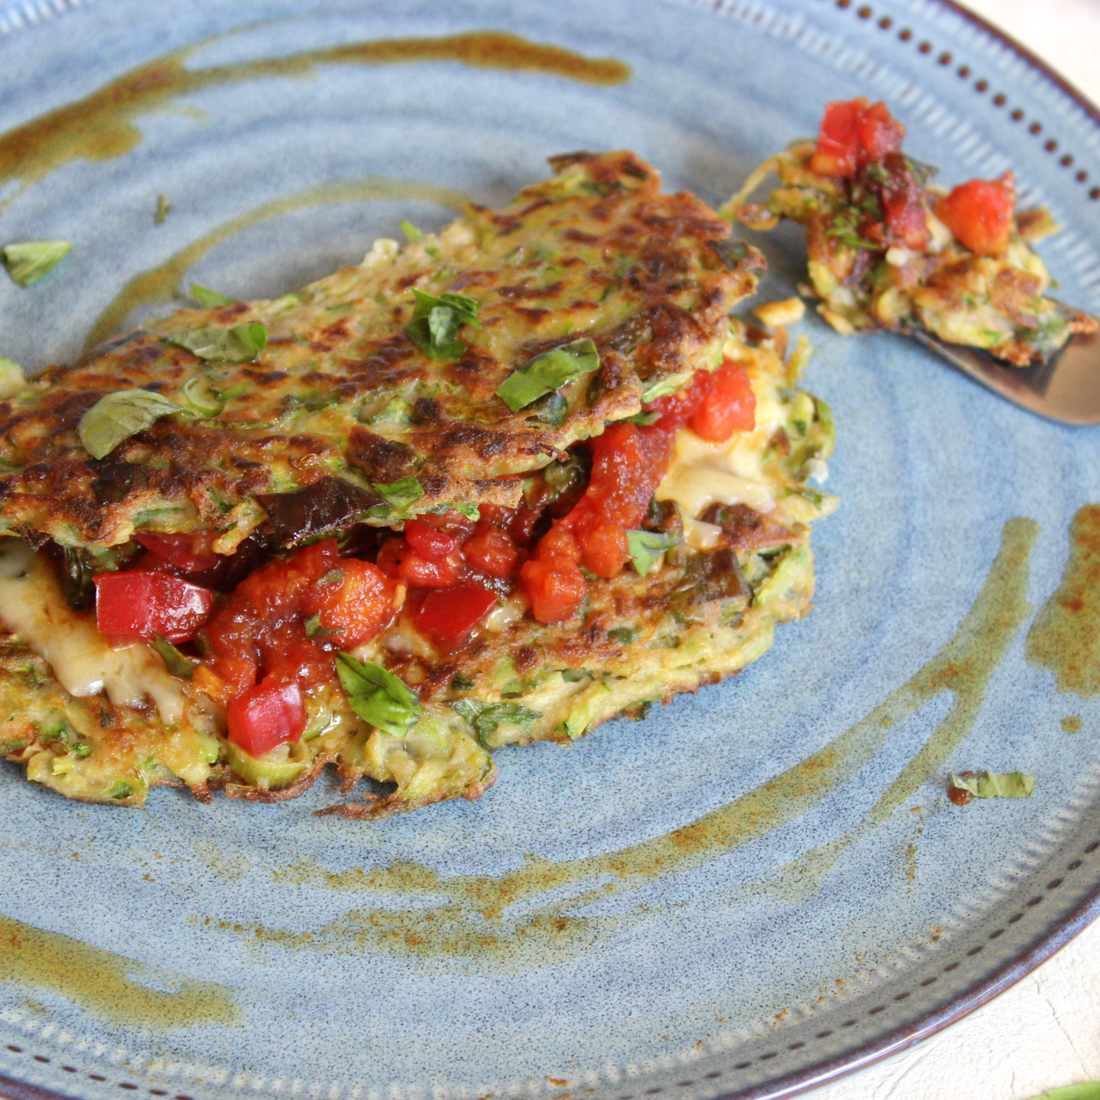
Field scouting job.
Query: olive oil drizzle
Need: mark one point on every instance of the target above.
(101, 126)
(1065, 637)
(104, 983)
(474, 920)
(161, 285)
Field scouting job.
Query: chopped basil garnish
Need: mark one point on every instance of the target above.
(485, 717)
(399, 494)
(461, 682)
(377, 696)
(410, 231)
(164, 207)
(316, 629)
(29, 261)
(118, 416)
(991, 785)
(661, 388)
(646, 548)
(435, 323)
(548, 371)
(176, 663)
(239, 344)
(210, 299)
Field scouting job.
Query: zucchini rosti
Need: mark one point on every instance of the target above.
(888, 249)
(637, 527)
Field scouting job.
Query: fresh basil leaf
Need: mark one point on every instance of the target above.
(377, 696)
(164, 207)
(547, 372)
(646, 548)
(435, 323)
(239, 344)
(410, 231)
(463, 305)
(469, 510)
(29, 261)
(400, 494)
(117, 416)
(485, 717)
(992, 785)
(210, 299)
(176, 663)
(552, 409)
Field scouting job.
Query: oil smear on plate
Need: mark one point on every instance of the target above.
(101, 125)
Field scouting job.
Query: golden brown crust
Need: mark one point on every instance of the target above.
(340, 390)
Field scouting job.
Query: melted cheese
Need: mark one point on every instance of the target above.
(33, 606)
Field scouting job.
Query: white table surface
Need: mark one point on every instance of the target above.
(1044, 1032)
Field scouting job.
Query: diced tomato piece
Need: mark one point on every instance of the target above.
(555, 588)
(397, 559)
(429, 543)
(448, 615)
(837, 151)
(605, 548)
(854, 133)
(142, 603)
(190, 553)
(491, 551)
(269, 714)
(979, 213)
(356, 604)
(879, 133)
(452, 522)
(676, 408)
(729, 405)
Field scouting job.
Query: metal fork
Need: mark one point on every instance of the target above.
(1065, 387)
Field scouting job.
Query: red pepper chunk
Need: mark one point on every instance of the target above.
(837, 148)
(429, 543)
(491, 550)
(142, 603)
(190, 553)
(269, 714)
(979, 214)
(854, 133)
(448, 615)
(399, 560)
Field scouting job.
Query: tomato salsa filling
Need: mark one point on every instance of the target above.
(258, 643)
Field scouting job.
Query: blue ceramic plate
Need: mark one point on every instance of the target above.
(756, 888)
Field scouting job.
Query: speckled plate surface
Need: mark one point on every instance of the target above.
(756, 888)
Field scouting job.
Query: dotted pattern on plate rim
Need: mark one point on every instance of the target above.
(979, 83)
(35, 11)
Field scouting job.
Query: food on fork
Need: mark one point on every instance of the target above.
(889, 249)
